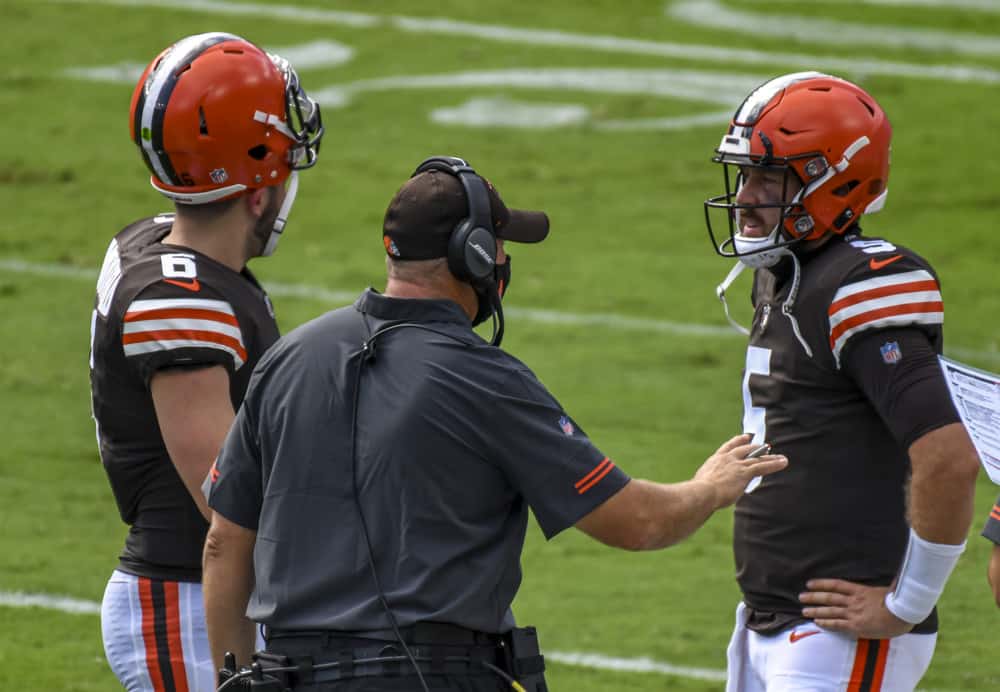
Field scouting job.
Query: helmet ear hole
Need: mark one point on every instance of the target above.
(846, 188)
(259, 152)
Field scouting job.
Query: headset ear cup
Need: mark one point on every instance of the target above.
(456, 251)
(476, 249)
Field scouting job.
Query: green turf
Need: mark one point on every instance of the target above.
(627, 239)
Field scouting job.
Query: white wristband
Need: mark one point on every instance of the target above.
(922, 577)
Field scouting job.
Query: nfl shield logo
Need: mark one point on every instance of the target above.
(566, 425)
(218, 176)
(891, 353)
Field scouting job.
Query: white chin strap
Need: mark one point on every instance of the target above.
(751, 251)
(720, 293)
(282, 218)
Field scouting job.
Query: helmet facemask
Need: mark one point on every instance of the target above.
(793, 223)
(303, 120)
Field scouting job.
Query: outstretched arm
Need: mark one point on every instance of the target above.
(646, 516)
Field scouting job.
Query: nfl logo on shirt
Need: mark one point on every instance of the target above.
(566, 425)
(891, 353)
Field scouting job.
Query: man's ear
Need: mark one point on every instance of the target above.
(257, 200)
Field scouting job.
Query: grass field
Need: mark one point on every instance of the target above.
(623, 102)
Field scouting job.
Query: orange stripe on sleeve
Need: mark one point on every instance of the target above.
(595, 476)
(184, 313)
(593, 472)
(881, 292)
(149, 634)
(188, 335)
(174, 636)
(995, 514)
(892, 311)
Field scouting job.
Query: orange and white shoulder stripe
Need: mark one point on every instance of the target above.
(167, 324)
(892, 300)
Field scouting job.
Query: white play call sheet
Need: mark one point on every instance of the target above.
(976, 394)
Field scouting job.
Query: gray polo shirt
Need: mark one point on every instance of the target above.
(455, 440)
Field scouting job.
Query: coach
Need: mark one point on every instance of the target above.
(371, 501)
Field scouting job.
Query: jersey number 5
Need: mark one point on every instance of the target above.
(755, 417)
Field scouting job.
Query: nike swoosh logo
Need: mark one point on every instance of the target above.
(878, 264)
(192, 285)
(794, 636)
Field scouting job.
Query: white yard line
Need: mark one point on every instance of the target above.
(305, 56)
(556, 318)
(64, 604)
(981, 5)
(633, 665)
(543, 37)
(717, 15)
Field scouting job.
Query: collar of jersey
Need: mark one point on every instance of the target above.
(410, 309)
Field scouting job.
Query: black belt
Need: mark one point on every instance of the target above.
(419, 633)
(437, 648)
(296, 657)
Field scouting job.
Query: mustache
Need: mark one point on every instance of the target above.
(750, 216)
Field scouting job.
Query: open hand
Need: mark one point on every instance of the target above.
(729, 471)
(855, 609)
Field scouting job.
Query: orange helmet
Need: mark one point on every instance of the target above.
(214, 115)
(829, 133)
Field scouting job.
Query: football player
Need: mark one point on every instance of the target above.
(178, 324)
(842, 557)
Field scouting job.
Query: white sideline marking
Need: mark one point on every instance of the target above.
(981, 5)
(633, 665)
(75, 606)
(711, 13)
(499, 111)
(548, 317)
(538, 37)
(64, 604)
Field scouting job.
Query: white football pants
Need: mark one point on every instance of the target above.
(806, 658)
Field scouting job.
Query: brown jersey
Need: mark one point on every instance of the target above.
(838, 509)
(164, 306)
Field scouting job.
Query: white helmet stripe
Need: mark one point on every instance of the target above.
(749, 110)
(157, 94)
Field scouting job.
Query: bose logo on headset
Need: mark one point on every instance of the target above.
(472, 248)
(482, 253)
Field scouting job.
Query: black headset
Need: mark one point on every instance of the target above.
(472, 247)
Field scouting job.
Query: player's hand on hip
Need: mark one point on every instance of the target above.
(729, 470)
(855, 609)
